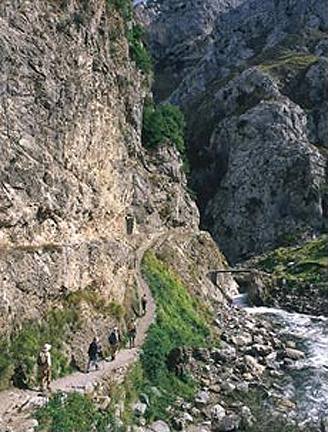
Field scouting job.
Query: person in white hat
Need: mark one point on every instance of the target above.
(44, 364)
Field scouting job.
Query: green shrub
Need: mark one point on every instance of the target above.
(138, 51)
(73, 413)
(162, 124)
(179, 319)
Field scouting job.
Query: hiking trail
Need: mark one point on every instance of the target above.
(16, 405)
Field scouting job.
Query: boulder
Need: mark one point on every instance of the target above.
(187, 418)
(215, 388)
(254, 365)
(324, 424)
(226, 424)
(159, 426)
(218, 412)
(144, 398)
(246, 416)
(139, 409)
(227, 354)
(242, 340)
(260, 350)
(228, 387)
(201, 354)
(202, 398)
(293, 354)
(242, 387)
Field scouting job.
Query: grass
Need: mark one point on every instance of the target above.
(138, 51)
(73, 413)
(22, 348)
(124, 7)
(94, 299)
(307, 263)
(181, 321)
(288, 61)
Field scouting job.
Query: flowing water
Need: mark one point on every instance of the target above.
(307, 383)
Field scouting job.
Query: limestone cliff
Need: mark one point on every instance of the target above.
(251, 77)
(79, 194)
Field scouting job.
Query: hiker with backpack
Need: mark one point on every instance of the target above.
(44, 366)
(132, 332)
(114, 340)
(94, 353)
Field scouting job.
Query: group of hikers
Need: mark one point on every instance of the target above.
(95, 352)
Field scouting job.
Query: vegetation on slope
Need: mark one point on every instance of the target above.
(19, 351)
(134, 34)
(163, 124)
(288, 62)
(181, 321)
(306, 263)
(300, 275)
(22, 348)
(73, 413)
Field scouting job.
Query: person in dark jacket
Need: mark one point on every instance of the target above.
(94, 353)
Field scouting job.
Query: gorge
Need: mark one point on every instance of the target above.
(149, 150)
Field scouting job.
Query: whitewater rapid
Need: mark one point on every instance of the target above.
(307, 382)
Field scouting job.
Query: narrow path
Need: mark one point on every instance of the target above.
(16, 405)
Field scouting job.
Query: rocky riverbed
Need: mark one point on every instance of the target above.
(267, 374)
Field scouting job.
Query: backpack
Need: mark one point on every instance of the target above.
(42, 359)
(112, 338)
(132, 328)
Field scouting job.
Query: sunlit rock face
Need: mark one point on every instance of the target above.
(73, 170)
(81, 198)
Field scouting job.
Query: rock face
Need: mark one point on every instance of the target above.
(251, 77)
(79, 194)
(73, 169)
(65, 108)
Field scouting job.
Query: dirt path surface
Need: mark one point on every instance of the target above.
(16, 405)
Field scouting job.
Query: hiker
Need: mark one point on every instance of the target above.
(44, 365)
(114, 340)
(132, 332)
(144, 304)
(94, 352)
(19, 378)
(129, 219)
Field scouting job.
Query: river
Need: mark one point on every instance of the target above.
(307, 382)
